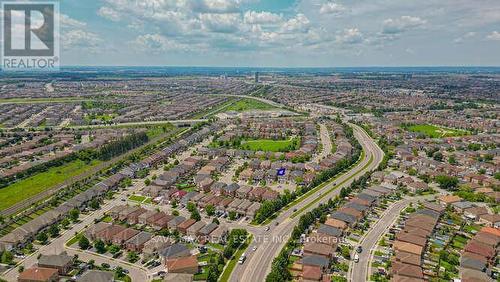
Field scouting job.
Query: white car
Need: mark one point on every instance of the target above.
(356, 258)
(254, 248)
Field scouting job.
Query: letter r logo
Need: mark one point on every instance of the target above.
(28, 29)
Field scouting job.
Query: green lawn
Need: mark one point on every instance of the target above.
(40, 182)
(267, 145)
(107, 219)
(249, 104)
(137, 198)
(434, 131)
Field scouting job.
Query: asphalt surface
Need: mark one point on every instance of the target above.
(269, 243)
(358, 271)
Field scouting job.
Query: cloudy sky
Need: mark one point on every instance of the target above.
(281, 32)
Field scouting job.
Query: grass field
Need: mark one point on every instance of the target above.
(249, 104)
(137, 198)
(267, 145)
(31, 186)
(434, 131)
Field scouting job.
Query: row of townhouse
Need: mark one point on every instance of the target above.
(28, 231)
(134, 215)
(478, 258)
(182, 144)
(411, 241)
(321, 244)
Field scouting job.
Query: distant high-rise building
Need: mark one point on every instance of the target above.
(256, 77)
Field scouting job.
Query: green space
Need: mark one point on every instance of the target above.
(247, 104)
(232, 263)
(40, 182)
(434, 131)
(137, 198)
(268, 145)
(107, 219)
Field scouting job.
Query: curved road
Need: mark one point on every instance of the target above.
(270, 243)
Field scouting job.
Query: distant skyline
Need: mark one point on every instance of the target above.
(280, 33)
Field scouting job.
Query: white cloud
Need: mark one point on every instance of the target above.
(109, 13)
(402, 24)
(495, 35)
(214, 6)
(252, 17)
(299, 23)
(350, 36)
(157, 43)
(223, 23)
(68, 22)
(80, 39)
(331, 8)
(464, 37)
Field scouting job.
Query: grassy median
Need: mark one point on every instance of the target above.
(31, 186)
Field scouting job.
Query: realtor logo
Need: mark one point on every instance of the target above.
(30, 36)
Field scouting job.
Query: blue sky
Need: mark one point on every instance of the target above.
(288, 33)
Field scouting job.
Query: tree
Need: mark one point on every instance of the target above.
(215, 220)
(42, 238)
(232, 215)
(6, 257)
(147, 181)
(100, 246)
(20, 269)
(74, 214)
(83, 242)
(447, 182)
(345, 251)
(119, 272)
(213, 273)
(195, 215)
(65, 223)
(54, 230)
(94, 204)
(190, 206)
(132, 257)
(210, 209)
(438, 156)
(113, 249)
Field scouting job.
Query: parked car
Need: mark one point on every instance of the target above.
(359, 249)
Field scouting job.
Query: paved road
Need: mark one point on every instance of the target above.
(269, 243)
(326, 141)
(358, 271)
